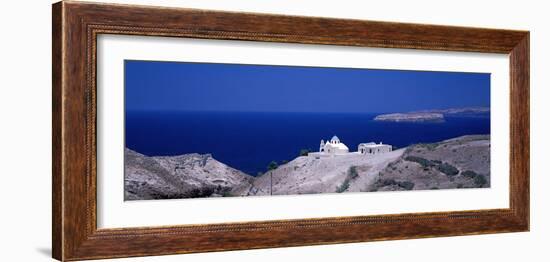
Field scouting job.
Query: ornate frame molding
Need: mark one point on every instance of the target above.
(76, 26)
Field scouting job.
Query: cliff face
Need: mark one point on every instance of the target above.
(184, 176)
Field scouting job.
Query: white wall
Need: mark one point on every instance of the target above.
(25, 151)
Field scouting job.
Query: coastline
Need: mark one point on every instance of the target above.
(250, 141)
(439, 165)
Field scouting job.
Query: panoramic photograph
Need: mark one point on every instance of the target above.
(199, 130)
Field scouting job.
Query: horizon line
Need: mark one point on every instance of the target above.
(313, 112)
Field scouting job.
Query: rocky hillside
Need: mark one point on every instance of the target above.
(462, 162)
(310, 175)
(184, 176)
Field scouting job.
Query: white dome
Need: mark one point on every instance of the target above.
(339, 146)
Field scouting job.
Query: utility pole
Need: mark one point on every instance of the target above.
(271, 183)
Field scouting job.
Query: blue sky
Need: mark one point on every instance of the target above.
(176, 86)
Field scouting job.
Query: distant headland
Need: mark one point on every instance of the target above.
(435, 115)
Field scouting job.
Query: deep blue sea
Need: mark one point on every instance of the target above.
(250, 141)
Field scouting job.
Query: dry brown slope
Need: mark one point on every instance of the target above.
(309, 175)
(184, 176)
(462, 162)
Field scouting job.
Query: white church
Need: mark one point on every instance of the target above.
(334, 147)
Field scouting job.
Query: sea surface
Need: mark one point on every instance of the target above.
(250, 141)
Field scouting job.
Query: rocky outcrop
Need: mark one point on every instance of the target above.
(184, 176)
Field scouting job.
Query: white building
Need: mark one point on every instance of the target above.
(334, 147)
(373, 148)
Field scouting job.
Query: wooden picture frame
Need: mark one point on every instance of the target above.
(76, 26)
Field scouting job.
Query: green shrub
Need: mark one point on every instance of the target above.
(352, 172)
(469, 174)
(407, 185)
(351, 175)
(273, 165)
(480, 180)
(431, 147)
(304, 152)
(425, 163)
(195, 193)
(343, 187)
(447, 169)
(388, 182)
